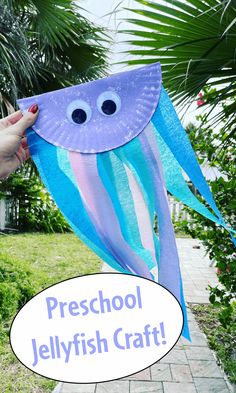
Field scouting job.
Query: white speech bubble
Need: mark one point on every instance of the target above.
(96, 328)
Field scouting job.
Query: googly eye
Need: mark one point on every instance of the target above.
(108, 103)
(79, 112)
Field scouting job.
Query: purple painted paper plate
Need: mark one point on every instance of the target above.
(100, 115)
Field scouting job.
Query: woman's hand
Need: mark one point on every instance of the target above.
(13, 145)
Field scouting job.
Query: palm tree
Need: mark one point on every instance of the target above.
(195, 42)
(46, 45)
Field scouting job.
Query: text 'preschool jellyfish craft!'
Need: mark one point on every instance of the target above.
(108, 151)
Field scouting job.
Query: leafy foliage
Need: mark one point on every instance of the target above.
(16, 287)
(195, 42)
(46, 45)
(221, 340)
(216, 240)
(36, 209)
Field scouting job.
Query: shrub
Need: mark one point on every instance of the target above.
(16, 286)
(36, 209)
(217, 147)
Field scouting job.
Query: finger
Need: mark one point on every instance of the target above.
(11, 119)
(22, 154)
(27, 154)
(12, 116)
(25, 147)
(25, 122)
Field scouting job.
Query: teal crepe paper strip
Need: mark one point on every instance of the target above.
(168, 125)
(115, 186)
(175, 182)
(44, 155)
(64, 165)
(166, 122)
(130, 155)
(120, 194)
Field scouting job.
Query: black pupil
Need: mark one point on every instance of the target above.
(79, 116)
(109, 107)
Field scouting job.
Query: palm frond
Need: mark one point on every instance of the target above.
(46, 45)
(195, 42)
(16, 64)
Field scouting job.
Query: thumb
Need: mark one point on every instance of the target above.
(25, 122)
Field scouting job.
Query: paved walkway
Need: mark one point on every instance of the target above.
(188, 367)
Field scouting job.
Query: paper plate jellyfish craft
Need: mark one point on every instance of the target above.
(100, 148)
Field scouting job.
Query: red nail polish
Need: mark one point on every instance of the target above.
(33, 109)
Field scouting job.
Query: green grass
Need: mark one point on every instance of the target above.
(222, 341)
(53, 257)
(47, 259)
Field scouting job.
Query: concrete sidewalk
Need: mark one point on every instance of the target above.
(188, 367)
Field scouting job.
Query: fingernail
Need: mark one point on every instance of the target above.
(33, 109)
